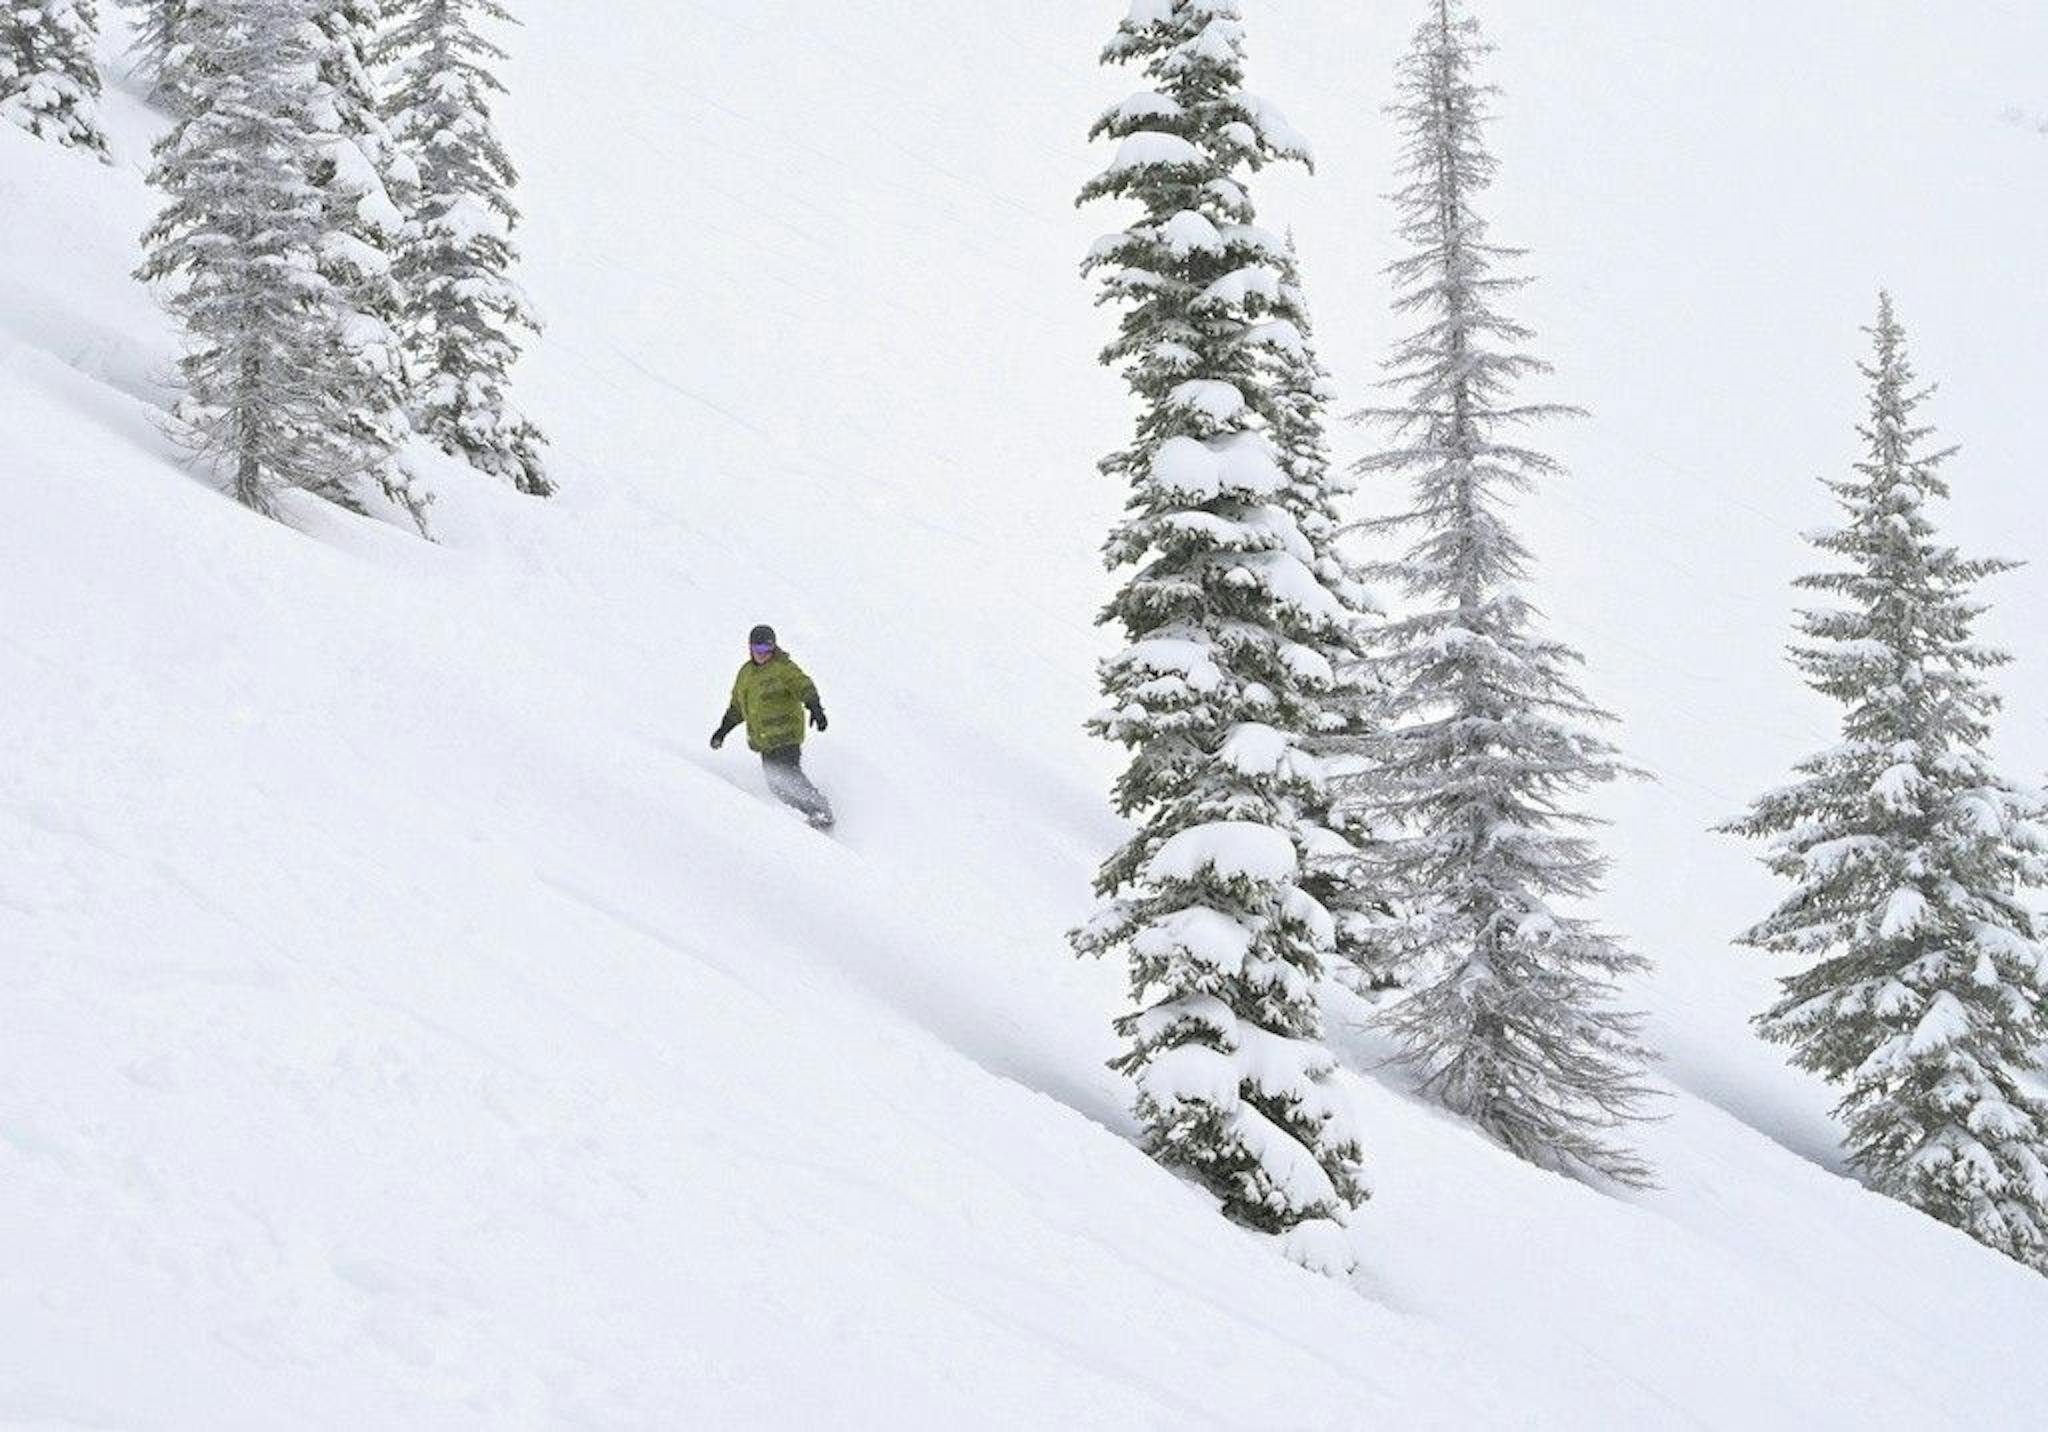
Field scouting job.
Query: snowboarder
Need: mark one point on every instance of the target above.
(771, 695)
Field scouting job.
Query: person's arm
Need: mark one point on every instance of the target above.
(812, 703)
(733, 717)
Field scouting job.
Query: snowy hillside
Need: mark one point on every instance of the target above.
(406, 1020)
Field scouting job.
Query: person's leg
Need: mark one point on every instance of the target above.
(784, 768)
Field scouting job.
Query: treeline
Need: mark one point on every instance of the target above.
(335, 238)
(1324, 789)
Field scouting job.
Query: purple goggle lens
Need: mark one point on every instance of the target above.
(762, 648)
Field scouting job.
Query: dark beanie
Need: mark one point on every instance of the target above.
(763, 635)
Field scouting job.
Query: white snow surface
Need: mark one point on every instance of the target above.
(1240, 464)
(1188, 232)
(1257, 749)
(1147, 147)
(1228, 847)
(406, 1021)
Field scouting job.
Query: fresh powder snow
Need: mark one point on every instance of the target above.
(404, 1021)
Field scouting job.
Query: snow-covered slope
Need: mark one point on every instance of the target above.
(404, 1020)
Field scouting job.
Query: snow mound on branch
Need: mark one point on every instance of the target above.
(1904, 913)
(1280, 335)
(1308, 664)
(1945, 1021)
(1189, 660)
(1217, 401)
(1206, 936)
(1276, 131)
(1897, 787)
(1190, 232)
(1240, 464)
(1146, 104)
(1153, 147)
(1239, 286)
(1259, 750)
(1231, 849)
(1290, 581)
(1298, 905)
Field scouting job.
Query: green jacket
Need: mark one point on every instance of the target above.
(772, 697)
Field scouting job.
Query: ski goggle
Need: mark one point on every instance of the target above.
(761, 648)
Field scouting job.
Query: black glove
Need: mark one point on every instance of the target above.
(718, 738)
(818, 717)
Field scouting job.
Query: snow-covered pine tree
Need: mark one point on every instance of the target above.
(237, 249)
(156, 36)
(1910, 857)
(463, 309)
(1223, 611)
(1345, 721)
(1511, 1022)
(49, 76)
(367, 181)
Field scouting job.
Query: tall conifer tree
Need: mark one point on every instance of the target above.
(157, 27)
(238, 248)
(1511, 1020)
(1911, 857)
(1224, 612)
(1344, 724)
(49, 75)
(463, 309)
(368, 183)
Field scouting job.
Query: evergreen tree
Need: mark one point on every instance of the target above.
(366, 180)
(1224, 613)
(49, 78)
(1345, 720)
(1910, 857)
(1511, 1023)
(463, 308)
(157, 29)
(238, 249)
